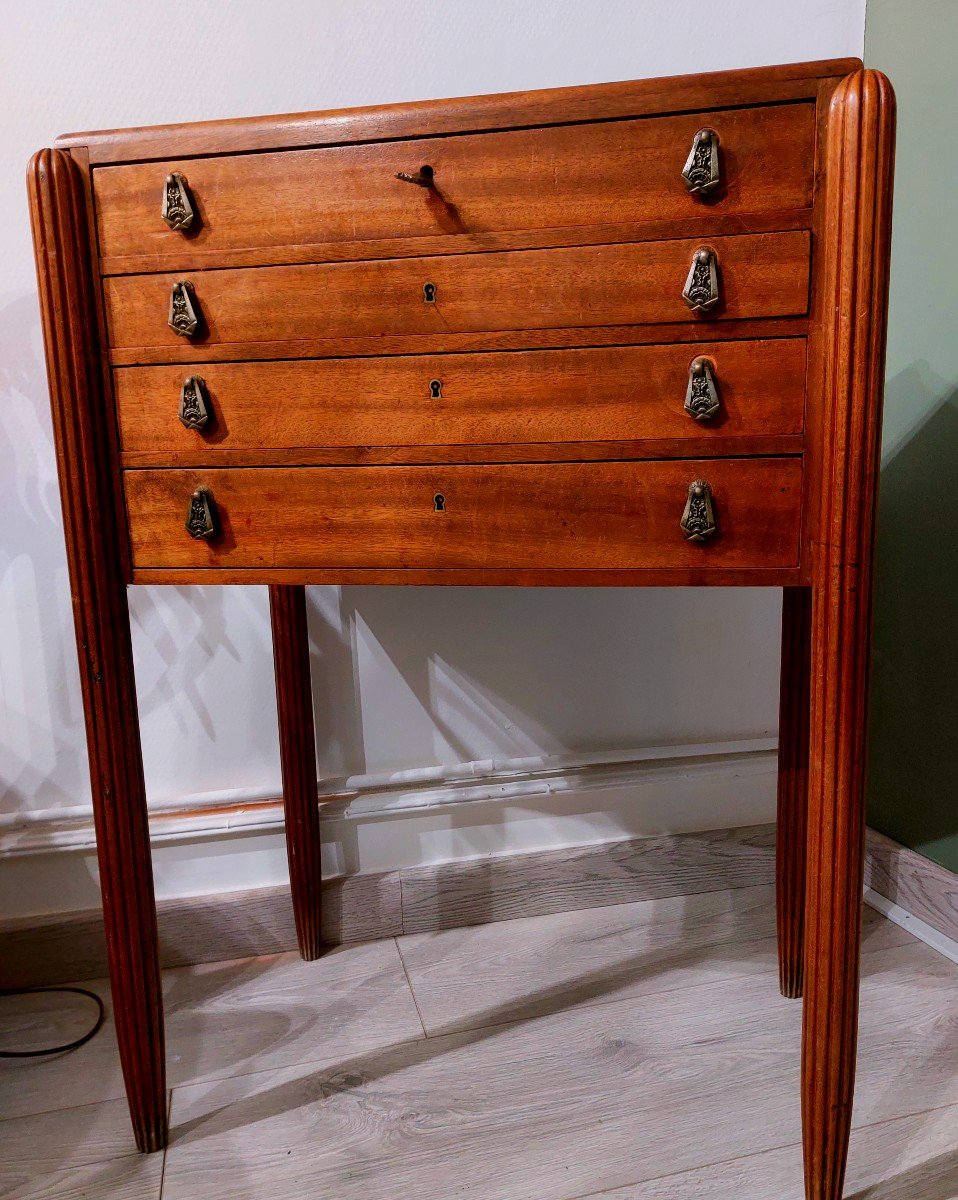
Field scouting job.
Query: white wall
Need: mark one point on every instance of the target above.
(404, 679)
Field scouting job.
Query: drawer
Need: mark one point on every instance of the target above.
(760, 275)
(526, 179)
(556, 515)
(617, 393)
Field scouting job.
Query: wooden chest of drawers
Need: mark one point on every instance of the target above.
(624, 334)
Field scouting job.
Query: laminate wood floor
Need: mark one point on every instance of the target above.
(636, 1052)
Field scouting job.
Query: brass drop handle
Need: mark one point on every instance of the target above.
(195, 409)
(424, 177)
(201, 518)
(177, 207)
(701, 396)
(184, 316)
(701, 171)
(698, 519)
(701, 291)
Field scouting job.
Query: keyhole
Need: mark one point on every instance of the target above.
(435, 389)
(440, 502)
(429, 293)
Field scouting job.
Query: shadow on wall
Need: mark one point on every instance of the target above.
(913, 761)
(511, 672)
(41, 722)
(403, 677)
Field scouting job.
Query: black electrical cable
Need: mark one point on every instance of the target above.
(74, 1045)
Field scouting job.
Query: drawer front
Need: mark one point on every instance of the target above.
(619, 393)
(613, 515)
(760, 275)
(551, 178)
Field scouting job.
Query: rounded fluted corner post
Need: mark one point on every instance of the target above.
(791, 825)
(855, 244)
(101, 617)
(297, 745)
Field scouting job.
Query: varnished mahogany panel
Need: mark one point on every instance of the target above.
(859, 161)
(549, 106)
(489, 577)
(479, 452)
(762, 275)
(374, 345)
(544, 248)
(558, 515)
(715, 220)
(102, 623)
(547, 178)
(792, 807)
(297, 756)
(619, 393)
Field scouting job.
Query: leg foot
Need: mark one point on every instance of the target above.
(792, 789)
(856, 239)
(297, 743)
(104, 653)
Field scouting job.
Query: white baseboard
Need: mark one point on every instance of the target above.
(231, 841)
(258, 920)
(914, 892)
(501, 887)
(914, 925)
(231, 811)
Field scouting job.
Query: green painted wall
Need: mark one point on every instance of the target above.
(913, 769)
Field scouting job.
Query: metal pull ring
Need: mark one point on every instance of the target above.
(424, 177)
(184, 315)
(701, 396)
(698, 519)
(701, 291)
(701, 171)
(177, 207)
(201, 518)
(194, 402)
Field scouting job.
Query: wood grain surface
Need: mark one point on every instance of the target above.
(558, 236)
(102, 623)
(529, 179)
(792, 800)
(505, 887)
(857, 243)
(550, 106)
(375, 346)
(198, 929)
(564, 515)
(640, 986)
(705, 219)
(297, 757)
(627, 393)
(575, 1102)
(762, 275)
(603, 954)
(924, 888)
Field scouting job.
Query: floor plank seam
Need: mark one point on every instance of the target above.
(857, 1131)
(412, 990)
(704, 1166)
(45, 1112)
(575, 1006)
(247, 1106)
(599, 1001)
(166, 1148)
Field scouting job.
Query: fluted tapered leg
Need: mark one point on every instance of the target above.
(297, 745)
(792, 788)
(81, 426)
(859, 156)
